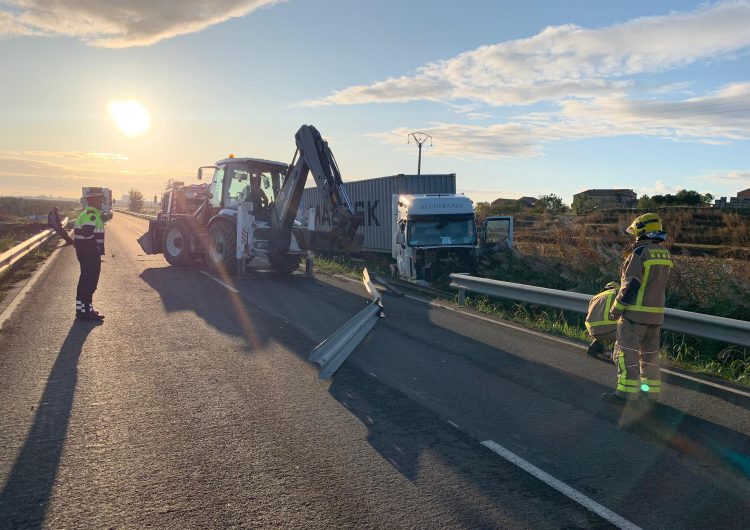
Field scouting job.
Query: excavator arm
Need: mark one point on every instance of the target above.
(314, 156)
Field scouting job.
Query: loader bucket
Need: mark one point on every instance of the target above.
(150, 242)
(329, 241)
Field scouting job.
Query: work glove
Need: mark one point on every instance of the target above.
(614, 313)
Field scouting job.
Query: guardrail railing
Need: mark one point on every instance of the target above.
(134, 214)
(698, 324)
(20, 251)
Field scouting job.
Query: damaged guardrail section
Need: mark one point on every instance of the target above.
(332, 352)
(698, 324)
(20, 251)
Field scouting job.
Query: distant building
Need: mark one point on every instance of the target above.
(619, 198)
(741, 201)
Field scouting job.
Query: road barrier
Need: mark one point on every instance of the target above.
(134, 214)
(698, 324)
(332, 352)
(20, 251)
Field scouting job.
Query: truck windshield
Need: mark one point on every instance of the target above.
(442, 231)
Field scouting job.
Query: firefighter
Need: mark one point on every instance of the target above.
(602, 330)
(89, 243)
(53, 221)
(639, 310)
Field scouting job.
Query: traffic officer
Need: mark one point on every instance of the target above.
(89, 243)
(53, 221)
(639, 309)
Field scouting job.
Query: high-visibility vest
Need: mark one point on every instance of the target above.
(88, 231)
(598, 322)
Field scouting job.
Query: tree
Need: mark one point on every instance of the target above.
(707, 198)
(552, 203)
(582, 204)
(136, 200)
(646, 203)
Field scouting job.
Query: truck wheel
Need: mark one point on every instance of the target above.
(286, 265)
(176, 243)
(222, 254)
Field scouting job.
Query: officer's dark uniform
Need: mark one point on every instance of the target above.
(53, 221)
(89, 243)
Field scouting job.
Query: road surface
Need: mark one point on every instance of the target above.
(193, 406)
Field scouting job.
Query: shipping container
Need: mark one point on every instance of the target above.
(373, 198)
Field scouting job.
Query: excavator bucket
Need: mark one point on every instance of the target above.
(329, 241)
(149, 242)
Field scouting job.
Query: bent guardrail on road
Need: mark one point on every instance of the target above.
(332, 352)
(698, 324)
(20, 251)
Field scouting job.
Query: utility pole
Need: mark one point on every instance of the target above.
(420, 138)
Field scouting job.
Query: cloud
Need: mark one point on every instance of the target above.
(720, 117)
(568, 61)
(733, 177)
(119, 24)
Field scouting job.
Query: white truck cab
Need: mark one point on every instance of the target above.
(434, 235)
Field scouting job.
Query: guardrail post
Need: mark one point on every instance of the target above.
(462, 296)
(309, 264)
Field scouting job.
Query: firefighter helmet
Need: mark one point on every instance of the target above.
(612, 285)
(643, 224)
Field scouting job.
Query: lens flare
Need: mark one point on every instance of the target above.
(131, 117)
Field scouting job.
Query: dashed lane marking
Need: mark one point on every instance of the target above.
(571, 493)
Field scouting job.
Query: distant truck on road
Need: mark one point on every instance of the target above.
(107, 203)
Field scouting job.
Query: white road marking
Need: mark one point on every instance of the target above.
(26, 288)
(557, 339)
(453, 424)
(571, 493)
(214, 278)
(704, 382)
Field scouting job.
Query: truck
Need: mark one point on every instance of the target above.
(378, 200)
(434, 236)
(107, 202)
(248, 216)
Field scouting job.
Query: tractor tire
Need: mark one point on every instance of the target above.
(176, 243)
(221, 254)
(287, 264)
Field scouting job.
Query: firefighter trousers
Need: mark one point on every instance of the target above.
(636, 355)
(91, 266)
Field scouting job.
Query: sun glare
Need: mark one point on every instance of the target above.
(131, 117)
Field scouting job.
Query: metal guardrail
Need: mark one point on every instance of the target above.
(698, 324)
(332, 352)
(20, 251)
(134, 214)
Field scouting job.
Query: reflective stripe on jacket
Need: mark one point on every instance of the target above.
(645, 274)
(89, 230)
(597, 319)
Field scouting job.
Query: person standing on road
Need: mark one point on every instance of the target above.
(89, 243)
(639, 311)
(53, 221)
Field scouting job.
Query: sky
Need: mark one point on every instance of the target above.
(521, 98)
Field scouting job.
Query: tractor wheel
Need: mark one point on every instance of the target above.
(286, 265)
(221, 254)
(176, 243)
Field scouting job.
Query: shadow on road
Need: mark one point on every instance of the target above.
(26, 495)
(428, 366)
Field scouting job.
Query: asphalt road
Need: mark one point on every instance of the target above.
(193, 406)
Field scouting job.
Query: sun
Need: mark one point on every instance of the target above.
(131, 117)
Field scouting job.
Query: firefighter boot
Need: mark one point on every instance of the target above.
(94, 313)
(595, 348)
